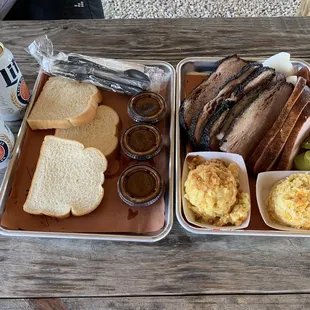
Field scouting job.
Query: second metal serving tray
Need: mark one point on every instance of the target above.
(204, 66)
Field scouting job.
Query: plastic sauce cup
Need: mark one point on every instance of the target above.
(147, 107)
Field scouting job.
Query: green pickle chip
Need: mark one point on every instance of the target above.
(306, 144)
(307, 157)
(302, 161)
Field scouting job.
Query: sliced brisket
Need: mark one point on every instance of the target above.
(270, 155)
(253, 122)
(258, 78)
(252, 91)
(208, 89)
(271, 134)
(299, 133)
(210, 107)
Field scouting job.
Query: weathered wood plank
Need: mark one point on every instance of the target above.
(165, 39)
(218, 302)
(182, 263)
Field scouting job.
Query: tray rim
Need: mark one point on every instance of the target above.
(98, 236)
(178, 169)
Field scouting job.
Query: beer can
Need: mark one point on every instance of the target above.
(7, 141)
(14, 94)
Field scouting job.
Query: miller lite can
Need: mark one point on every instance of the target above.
(7, 141)
(14, 94)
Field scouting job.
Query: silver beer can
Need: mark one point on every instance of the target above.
(14, 93)
(7, 141)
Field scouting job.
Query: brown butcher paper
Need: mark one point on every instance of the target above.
(112, 215)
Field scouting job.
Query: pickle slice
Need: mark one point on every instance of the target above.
(306, 144)
(302, 161)
(307, 157)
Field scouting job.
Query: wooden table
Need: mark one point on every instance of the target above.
(182, 271)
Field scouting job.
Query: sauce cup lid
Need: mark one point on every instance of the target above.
(147, 107)
(141, 142)
(140, 185)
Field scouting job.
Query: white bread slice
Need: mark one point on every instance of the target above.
(68, 179)
(64, 103)
(101, 133)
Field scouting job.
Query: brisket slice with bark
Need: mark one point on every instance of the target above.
(208, 122)
(202, 116)
(253, 122)
(300, 132)
(271, 134)
(255, 82)
(208, 89)
(270, 155)
(242, 103)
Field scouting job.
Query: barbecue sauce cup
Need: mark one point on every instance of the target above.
(141, 142)
(140, 186)
(147, 107)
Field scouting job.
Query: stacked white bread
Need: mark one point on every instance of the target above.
(101, 133)
(64, 103)
(68, 179)
(70, 170)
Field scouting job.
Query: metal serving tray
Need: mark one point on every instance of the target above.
(205, 65)
(169, 194)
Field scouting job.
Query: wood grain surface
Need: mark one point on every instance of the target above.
(182, 263)
(160, 39)
(217, 302)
